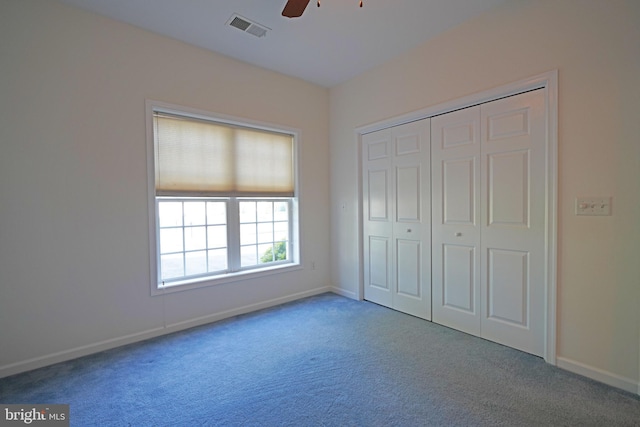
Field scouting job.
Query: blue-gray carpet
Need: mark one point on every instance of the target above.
(321, 361)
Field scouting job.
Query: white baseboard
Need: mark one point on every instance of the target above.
(198, 321)
(74, 353)
(600, 375)
(344, 292)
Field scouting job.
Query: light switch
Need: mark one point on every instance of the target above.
(594, 206)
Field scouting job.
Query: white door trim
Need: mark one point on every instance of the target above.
(547, 81)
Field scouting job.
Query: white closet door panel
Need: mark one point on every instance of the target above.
(409, 262)
(378, 206)
(458, 190)
(408, 195)
(459, 278)
(378, 195)
(508, 287)
(508, 188)
(412, 214)
(513, 221)
(379, 268)
(457, 301)
(455, 151)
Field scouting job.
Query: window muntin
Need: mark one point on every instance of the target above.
(201, 237)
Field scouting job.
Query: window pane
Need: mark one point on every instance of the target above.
(216, 213)
(248, 256)
(266, 253)
(247, 212)
(247, 234)
(265, 232)
(195, 238)
(170, 214)
(196, 262)
(217, 260)
(217, 236)
(170, 240)
(281, 211)
(265, 211)
(281, 251)
(194, 213)
(280, 231)
(171, 266)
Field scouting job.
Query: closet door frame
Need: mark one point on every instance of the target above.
(549, 83)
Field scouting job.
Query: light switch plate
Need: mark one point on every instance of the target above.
(594, 206)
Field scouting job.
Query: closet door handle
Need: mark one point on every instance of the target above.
(458, 234)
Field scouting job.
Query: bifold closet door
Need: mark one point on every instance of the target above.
(455, 154)
(489, 220)
(396, 218)
(514, 153)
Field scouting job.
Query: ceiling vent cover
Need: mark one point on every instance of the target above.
(247, 25)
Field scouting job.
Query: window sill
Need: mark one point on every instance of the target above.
(203, 282)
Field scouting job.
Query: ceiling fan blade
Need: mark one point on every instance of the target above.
(294, 8)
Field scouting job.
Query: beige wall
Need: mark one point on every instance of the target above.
(74, 245)
(594, 45)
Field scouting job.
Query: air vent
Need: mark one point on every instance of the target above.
(247, 25)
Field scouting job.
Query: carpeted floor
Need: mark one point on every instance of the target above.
(321, 361)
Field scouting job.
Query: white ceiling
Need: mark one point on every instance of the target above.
(326, 46)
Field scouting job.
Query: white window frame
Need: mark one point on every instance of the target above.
(157, 287)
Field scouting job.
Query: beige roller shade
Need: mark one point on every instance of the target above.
(198, 157)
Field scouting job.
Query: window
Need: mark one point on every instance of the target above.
(223, 198)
